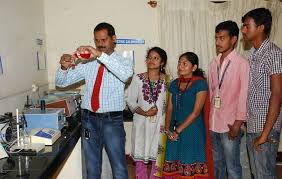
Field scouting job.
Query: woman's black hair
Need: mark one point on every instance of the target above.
(193, 58)
(162, 54)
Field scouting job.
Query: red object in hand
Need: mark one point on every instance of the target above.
(85, 55)
(82, 55)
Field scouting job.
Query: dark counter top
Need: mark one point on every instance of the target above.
(45, 163)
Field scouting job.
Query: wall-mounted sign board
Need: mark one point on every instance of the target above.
(130, 41)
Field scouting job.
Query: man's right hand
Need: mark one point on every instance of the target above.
(234, 130)
(66, 61)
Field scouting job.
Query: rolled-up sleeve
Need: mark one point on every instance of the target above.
(275, 60)
(65, 78)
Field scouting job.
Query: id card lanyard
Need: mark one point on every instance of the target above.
(217, 99)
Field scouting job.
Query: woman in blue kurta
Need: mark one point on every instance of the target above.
(185, 128)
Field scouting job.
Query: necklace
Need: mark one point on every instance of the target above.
(154, 95)
(154, 92)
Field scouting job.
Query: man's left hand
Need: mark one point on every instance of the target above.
(259, 141)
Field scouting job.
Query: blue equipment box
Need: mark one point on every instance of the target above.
(50, 118)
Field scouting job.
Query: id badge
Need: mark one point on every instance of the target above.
(217, 102)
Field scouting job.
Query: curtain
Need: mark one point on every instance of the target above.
(189, 25)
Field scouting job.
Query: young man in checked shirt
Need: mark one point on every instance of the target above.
(264, 110)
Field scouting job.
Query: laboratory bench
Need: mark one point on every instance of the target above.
(47, 162)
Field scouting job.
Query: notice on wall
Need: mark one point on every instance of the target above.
(40, 55)
(41, 60)
(130, 41)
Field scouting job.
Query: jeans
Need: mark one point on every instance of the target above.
(103, 130)
(263, 163)
(244, 158)
(226, 155)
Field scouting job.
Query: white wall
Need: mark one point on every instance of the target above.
(22, 22)
(70, 23)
